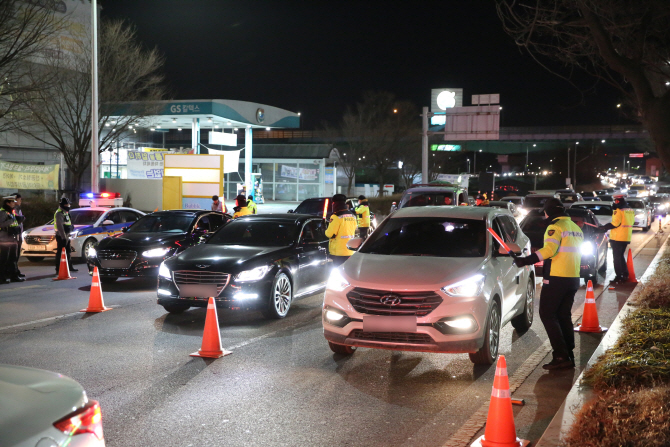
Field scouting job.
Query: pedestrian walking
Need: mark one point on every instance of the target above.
(562, 258)
(341, 228)
(218, 205)
(20, 218)
(9, 231)
(363, 216)
(63, 228)
(253, 209)
(241, 209)
(621, 232)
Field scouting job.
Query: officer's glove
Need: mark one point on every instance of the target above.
(604, 228)
(526, 260)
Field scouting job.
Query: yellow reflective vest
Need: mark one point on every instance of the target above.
(252, 207)
(623, 219)
(341, 228)
(562, 245)
(244, 211)
(363, 215)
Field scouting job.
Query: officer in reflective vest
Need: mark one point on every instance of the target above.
(252, 205)
(241, 209)
(562, 259)
(341, 228)
(621, 231)
(9, 233)
(63, 228)
(363, 216)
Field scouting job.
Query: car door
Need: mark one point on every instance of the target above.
(312, 258)
(512, 276)
(599, 238)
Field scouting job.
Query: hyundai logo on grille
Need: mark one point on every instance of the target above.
(390, 300)
(202, 266)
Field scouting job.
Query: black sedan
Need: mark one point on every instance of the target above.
(594, 248)
(257, 262)
(140, 249)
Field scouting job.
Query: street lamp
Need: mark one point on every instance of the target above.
(468, 166)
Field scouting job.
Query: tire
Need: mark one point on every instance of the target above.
(341, 349)
(35, 258)
(175, 308)
(488, 353)
(90, 242)
(108, 279)
(280, 299)
(524, 321)
(648, 226)
(594, 276)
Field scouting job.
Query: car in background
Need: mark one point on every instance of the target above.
(602, 210)
(601, 192)
(590, 199)
(505, 189)
(431, 279)
(509, 206)
(607, 198)
(322, 206)
(431, 195)
(90, 226)
(643, 213)
(593, 249)
(637, 191)
(536, 201)
(568, 197)
(44, 408)
(261, 262)
(140, 249)
(518, 201)
(661, 204)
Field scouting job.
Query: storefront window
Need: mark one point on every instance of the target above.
(307, 191)
(285, 191)
(286, 173)
(308, 173)
(267, 170)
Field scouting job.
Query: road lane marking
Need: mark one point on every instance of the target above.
(39, 321)
(25, 287)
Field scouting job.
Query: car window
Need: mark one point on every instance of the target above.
(129, 216)
(114, 216)
(314, 230)
(598, 210)
(428, 236)
(215, 221)
(427, 199)
(535, 202)
(255, 233)
(510, 227)
(203, 223)
(314, 207)
(160, 223)
(84, 216)
(636, 205)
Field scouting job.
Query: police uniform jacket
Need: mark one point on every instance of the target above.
(363, 215)
(62, 223)
(622, 223)
(341, 228)
(243, 211)
(561, 252)
(7, 220)
(253, 209)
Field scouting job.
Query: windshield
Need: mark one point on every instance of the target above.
(314, 207)
(535, 202)
(255, 233)
(82, 216)
(636, 205)
(434, 236)
(166, 223)
(598, 210)
(428, 199)
(567, 198)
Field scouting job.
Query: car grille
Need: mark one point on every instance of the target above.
(116, 259)
(369, 302)
(185, 277)
(39, 240)
(392, 337)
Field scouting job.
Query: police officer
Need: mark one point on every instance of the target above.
(253, 209)
(20, 218)
(562, 258)
(621, 231)
(341, 228)
(63, 228)
(481, 200)
(363, 216)
(241, 209)
(9, 231)
(394, 207)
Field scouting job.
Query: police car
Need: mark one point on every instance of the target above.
(100, 216)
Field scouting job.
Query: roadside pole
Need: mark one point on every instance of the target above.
(95, 177)
(424, 147)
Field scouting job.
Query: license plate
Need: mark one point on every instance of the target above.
(198, 290)
(380, 323)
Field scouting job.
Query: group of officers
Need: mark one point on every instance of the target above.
(243, 206)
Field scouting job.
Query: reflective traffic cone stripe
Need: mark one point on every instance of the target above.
(590, 321)
(95, 301)
(631, 268)
(63, 268)
(500, 430)
(211, 338)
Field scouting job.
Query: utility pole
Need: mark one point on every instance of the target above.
(95, 176)
(568, 167)
(526, 168)
(424, 147)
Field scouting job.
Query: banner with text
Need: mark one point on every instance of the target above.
(145, 165)
(22, 176)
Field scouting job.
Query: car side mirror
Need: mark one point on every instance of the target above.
(355, 243)
(512, 246)
(107, 222)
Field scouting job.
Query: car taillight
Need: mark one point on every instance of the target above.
(84, 420)
(325, 209)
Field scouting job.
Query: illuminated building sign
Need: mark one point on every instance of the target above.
(445, 147)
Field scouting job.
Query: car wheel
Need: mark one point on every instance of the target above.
(176, 308)
(341, 349)
(594, 276)
(488, 353)
(108, 279)
(524, 321)
(35, 258)
(648, 226)
(280, 300)
(90, 243)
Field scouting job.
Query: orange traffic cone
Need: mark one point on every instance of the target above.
(631, 269)
(95, 301)
(500, 430)
(590, 316)
(211, 338)
(155, 210)
(63, 268)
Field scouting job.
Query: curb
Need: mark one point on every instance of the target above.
(560, 425)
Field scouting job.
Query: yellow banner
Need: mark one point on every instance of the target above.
(153, 149)
(20, 176)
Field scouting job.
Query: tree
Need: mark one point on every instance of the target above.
(625, 43)
(60, 114)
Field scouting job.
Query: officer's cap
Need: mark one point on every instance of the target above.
(64, 201)
(9, 199)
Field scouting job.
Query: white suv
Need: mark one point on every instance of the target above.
(431, 279)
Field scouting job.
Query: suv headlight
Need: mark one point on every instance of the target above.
(640, 215)
(23, 235)
(586, 248)
(336, 281)
(253, 274)
(468, 287)
(164, 272)
(155, 252)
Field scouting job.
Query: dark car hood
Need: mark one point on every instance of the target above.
(141, 240)
(224, 258)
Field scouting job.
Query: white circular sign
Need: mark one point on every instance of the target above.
(446, 100)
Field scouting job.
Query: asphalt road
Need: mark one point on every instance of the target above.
(281, 385)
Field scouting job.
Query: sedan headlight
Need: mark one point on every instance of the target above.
(586, 248)
(336, 281)
(92, 253)
(468, 287)
(253, 274)
(523, 211)
(164, 271)
(155, 252)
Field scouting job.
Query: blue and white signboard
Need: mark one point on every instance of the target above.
(145, 165)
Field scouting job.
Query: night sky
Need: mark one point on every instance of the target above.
(318, 57)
